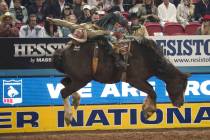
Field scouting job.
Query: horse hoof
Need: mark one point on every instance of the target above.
(178, 104)
(68, 117)
(147, 115)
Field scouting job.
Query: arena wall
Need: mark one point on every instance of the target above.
(30, 98)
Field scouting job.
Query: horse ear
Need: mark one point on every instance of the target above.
(188, 75)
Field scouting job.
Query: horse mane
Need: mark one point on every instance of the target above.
(153, 53)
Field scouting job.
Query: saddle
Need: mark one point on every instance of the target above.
(122, 47)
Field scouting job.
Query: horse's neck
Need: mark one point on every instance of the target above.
(172, 77)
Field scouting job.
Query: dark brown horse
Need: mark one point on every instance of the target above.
(146, 61)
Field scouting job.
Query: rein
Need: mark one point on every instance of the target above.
(95, 59)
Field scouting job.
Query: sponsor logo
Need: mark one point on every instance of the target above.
(38, 53)
(185, 47)
(12, 91)
(193, 51)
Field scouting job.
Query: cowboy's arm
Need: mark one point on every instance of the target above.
(94, 33)
(63, 23)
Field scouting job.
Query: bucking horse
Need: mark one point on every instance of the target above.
(146, 60)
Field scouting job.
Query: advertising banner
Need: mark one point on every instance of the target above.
(103, 117)
(39, 91)
(186, 51)
(35, 53)
(29, 53)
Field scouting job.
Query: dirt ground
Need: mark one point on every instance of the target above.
(158, 134)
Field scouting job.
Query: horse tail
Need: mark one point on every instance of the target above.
(58, 60)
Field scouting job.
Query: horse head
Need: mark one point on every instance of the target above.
(176, 89)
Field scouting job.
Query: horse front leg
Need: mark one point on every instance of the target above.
(149, 105)
(70, 88)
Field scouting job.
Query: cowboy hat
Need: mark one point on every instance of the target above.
(87, 7)
(7, 14)
(79, 35)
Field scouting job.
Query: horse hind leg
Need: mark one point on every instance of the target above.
(70, 87)
(149, 105)
(75, 96)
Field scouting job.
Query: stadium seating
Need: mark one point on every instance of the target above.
(173, 29)
(191, 28)
(153, 28)
(195, 1)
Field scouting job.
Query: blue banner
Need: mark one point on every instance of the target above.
(41, 91)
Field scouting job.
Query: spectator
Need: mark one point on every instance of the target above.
(95, 3)
(175, 2)
(24, 3)
(108, 4)
(185, 12)
(167, 12)
(39, 9)
(56, 8)
(3, 8)
(67, 10)
(87, 14)
(52, 30)
(201, 8)
(127, 4)
(19, 12)
(32, 29)
(205, 27)
(118, 3)
(95, 17)
(148, 11)
(7, 27)
(157, 2)
(100, 13)
(138, 1)
(66, 31)
(78, 10)
(136, 28)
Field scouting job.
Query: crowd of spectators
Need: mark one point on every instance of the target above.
(27, 18)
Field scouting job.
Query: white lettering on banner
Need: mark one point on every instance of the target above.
(110, 89)
(192, 86)
(86, 92)
(126, 89)
(204, 87)
(197, 88)
(54, 92)
(36, 50)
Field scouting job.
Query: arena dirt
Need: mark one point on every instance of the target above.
(157, 134)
